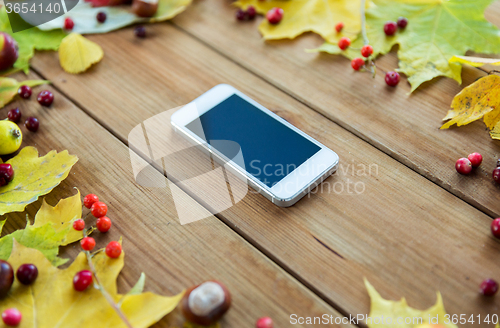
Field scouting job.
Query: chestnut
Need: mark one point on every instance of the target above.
(145, 8)
(205, 304)
(9, 51)
(6, 277)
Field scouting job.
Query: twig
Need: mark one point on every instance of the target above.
(104, 292)
(371, 65)
(363, 23)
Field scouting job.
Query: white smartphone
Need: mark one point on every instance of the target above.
(274, 157)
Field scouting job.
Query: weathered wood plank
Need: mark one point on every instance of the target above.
(403, 126)
(404, 233)
(173, 256)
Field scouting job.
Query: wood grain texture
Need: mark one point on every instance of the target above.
(173, 257)
(404, 126)
(405, 234)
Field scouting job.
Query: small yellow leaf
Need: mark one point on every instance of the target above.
(300, 16)
(53, 302)
(61, 217)
(77, 53)
(475, 61)
(33, 177)
(482, 98)
(381, 308)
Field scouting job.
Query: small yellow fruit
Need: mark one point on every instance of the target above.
(10, 137)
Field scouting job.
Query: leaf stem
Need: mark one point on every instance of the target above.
(104, 292)
(363, 23)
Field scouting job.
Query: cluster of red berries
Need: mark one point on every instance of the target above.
(246, 15)
(31, 123)
(465, 165)
(69, 24)
(83, 279)
(273, 16)
(26, 274)
(489, 287)
(44, 98)
(390, 28)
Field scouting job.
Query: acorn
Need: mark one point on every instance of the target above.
(144, 8)
(207, 303)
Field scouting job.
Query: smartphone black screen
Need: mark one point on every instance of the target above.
(270, 149)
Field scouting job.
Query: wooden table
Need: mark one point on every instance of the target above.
(417, 228)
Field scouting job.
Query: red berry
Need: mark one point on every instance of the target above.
(6, 174)
(489, 287)
(241, 15)
(12, 317)
(82, 280)
(88, 243)
(367, 50)
(101, 17)
(475, 159)
(496, 174)
(32, 124)
(68, 24)
(14, 115)
(357, 63)
(264, 322)
(24, 91)
(45, 98)
(392, 78)
(79, 225)
(251, 12)
(27, 274)
(402, 22)
(344, 42)
(339, 27)
(114, 249)
(89, 200)
(463, 166)
(103, 224)
(140, 32)
(274, 15)
(9, 51)
(390, 28)
(6, 278)
(495, 228)
(99, 209)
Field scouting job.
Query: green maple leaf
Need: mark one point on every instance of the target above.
(437, 30)
(29, 40)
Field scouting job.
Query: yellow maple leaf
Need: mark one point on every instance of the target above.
(33, 177)
(480, 99)
(77, 53)
(52, 302)
(61, 217)
(385, 310)
(300, 16)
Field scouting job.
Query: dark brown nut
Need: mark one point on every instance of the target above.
(145, 8)
(205, 304)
